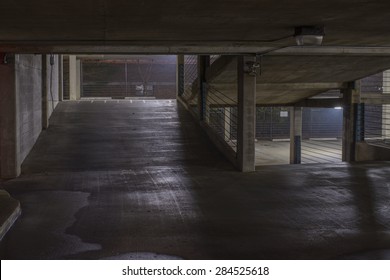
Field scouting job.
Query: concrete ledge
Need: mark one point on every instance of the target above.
(9, 212)
(368, 152)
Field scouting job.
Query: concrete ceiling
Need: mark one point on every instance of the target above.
(197, 23)
(308, 69)
(355, 31)
(289, 79)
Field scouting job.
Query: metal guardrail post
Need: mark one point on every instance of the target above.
(203, 64)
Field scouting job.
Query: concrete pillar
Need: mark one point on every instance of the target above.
(351, 96)
(9, 122)
(227, 123)
(246, 125)
(295, 135)
(74, 78)
(180, 75)
(61, 77)
(203, 64)
(79, 72)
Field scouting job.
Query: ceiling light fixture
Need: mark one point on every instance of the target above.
(309, 35)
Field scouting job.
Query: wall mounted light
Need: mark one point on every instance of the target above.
(309, 35)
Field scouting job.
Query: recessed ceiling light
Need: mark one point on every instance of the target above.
(309, 35)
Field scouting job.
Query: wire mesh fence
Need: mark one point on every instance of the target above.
(272, 123)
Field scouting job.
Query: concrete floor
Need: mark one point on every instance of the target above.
(312, 151)
(123, 180)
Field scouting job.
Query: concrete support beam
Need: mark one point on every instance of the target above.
(351, 97)
(300, 86)
(182, 47)
(9, 122)
(180, 75)
(295, 135)
(227, 123)
(246, 125)
(74, 77)
(320, 102)
(375, 98)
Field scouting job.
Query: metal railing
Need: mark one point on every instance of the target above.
(191, 85)
(374, 118)
(216, 108)
(376, 84)
(377, 124)
(221, 115)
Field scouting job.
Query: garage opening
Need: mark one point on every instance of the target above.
(322, 130)
(321, 135)
(123, 77)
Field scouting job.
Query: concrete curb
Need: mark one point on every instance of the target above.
(9, 212)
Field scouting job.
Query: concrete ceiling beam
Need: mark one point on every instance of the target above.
(166, 47)
(375, 98)
(320, 102)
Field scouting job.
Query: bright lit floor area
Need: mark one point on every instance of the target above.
(312, 151)
(133, 179)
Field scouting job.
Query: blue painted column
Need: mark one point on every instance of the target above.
(295, 135)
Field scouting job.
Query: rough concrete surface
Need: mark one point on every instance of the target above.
(347, 22)
(289, 79)
(122, 180)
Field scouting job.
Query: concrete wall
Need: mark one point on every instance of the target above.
(8, 120)
(50, 82)
(28, 89)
